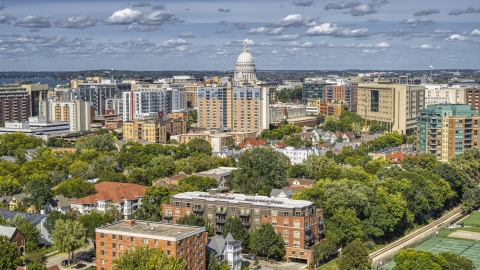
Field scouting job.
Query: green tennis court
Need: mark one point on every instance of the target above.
(467, 249)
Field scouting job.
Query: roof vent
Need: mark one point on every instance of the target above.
(152, 229)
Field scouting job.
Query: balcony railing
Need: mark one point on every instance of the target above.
(308, 228)
(244, 214)
(167, 216)
(308, 237)
(198, 210)
(220, 221)
(221, 211)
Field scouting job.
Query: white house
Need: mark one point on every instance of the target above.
(226, 250)
(58, 203)
(297, 154)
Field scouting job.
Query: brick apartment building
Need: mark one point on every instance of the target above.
(299, 223)
(14, 104)
(115, 239)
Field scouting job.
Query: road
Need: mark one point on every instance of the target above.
(80, 254)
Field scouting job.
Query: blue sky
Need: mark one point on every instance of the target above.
(61, 35)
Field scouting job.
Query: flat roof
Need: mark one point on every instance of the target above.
(242, 198)
(162, 231)
(219, 170)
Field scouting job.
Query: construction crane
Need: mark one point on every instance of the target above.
(365, 126)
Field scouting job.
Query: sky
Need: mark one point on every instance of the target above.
(70, 35)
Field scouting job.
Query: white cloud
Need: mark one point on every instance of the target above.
(456, 37)
(415, 21)
(187, 35)
(266, 31)
(330, 29)
(295, 20)
(368, 52)
(476, 32)
(33, 21)
(76, 22)
(362, 10)
(249, 43)
(422, 47)
(124, 16)
(274, 51)
(382, 44)
(442, 31)
(287, 38)
(175, 42)
(6, 18)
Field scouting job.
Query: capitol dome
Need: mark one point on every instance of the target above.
(245, 67)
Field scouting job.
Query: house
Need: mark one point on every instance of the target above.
(235, 154)
(17, 200)
(226, 250)
(221, 174)
(15, 236)
(5, 200)
(169, 182)
(37, 219)
(281, 193)
(300, 182)
(298, 154)
(251, 143)
(125, 196)
(307, 136)
(59, 203)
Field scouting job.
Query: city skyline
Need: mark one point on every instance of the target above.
(208, 35)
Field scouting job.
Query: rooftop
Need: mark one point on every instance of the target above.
(116, 192)
(219, 170)
(242, 198)
(156, 230)
(34, 218)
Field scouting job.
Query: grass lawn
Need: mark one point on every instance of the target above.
(473, 219)
(331, 265)
(444, 233)
(49, 249)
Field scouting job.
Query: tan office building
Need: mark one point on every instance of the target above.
(394, 105)
(153, 130)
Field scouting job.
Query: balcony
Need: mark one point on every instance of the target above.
(244, 214)
(321, 222)
(308, 237)
(167, 216)
(246, 224)
(221, 212)
(308, 228)
(220, 221)
(198, 210)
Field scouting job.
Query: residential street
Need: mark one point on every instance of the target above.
(80, 255)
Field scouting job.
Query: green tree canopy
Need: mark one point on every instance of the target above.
(354, 256)
(52, 219)
(8, 185)
(234, 226)
(31, 232)
(345, 224)
(147, 258)
(10, 258)
(200, 146)
(75, 188)
(103, 142)
(38, 194)
(10, 143)
(192, 220)
(410, 259)
(196, 183)
(151, 208)
(68, 236)
(92, 221)
(265, 242)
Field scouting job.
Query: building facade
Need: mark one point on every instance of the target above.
(394, 105)
(99, 92)
(78, 113)
(299, 222)
(153, 130)
(245, 68)
(14, 104)
(472, 98)
(440, 94)
(447, 130)
(113, 240)
(36, 126)
(313, 88)
(15, 236)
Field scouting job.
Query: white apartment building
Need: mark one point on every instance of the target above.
(442, 94)
(297, 155)
(78, 113)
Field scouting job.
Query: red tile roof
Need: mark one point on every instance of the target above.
(252, 143)
(279, 145)
(117, 192)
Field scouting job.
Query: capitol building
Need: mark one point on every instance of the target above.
(245, 68)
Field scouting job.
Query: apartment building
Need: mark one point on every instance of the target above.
(114, 106)
(14, 104)
(154, 130)
(113, 240)
(98, 92)
(472, 98)
(314, 88)
(297, 155)
(394, 105)
(218, 140)
(78, 113)
(447, 130)
(237, 109)
(125, 196)
(298, 221)
(441, 94)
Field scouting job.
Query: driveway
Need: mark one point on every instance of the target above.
(80, 255)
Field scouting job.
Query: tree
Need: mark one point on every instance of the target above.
(265, 242)
(345, 225)
(192, 220)
(354, 256)
(75, 188)
(148, 259)
(11, 142)
(35, 258)
(52, 219)
(213, 263)
(410, 259)
(37, 266)
(260, 168)
(457, 262)
(10, 258)
(297, 171)
(200, 146)
(151, 208)
(102, 143)
(68, 236)
(139, 176)
(31, 232)
(196, 183)
(8, 185)
(234, 226)
(92, 221)
(38, 194)
(327, 249)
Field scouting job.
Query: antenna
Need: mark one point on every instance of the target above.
(431, 71)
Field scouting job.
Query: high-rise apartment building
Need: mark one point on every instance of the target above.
(114, 106)
(472, 98)
(441, 94)
(314, 88)
(447, 130)
(233, 108)
(14, 104)
(113, 240)
(394, 105)
(151, 102)
(98, 93)
(78, 113)
(299, 222)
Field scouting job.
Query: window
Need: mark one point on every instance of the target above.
(114, 245)
(145, 240)
(200, 244)
(274, 213)
(168, 243)
(285, 223)
(132, 239)
(296, 234)
(274, 222)
(232, 209)
(132, 248)
(286, 214)
(102, 244)
(114, 236)
(103, 261)
(296, 224)
(257, 211)
(302, 253)
(102, 252)
(120, 237)
(155, 242)
(102, 235)
(188, 205)
(168, 252)
(374, 100)
(285, 233)
(257, 221)
(285, 242)
(114, 254)
(120, 246)
(210, 207)
(296, 243)
(177, 204)
(293, 252)
(177, 212)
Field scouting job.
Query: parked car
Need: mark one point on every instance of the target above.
(80, 265)
(249, 257)
(89, 260)
(65, 262)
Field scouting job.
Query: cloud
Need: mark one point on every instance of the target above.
(330, 29)
(455, 37)
(159, 17)
(266, 31)
(372, 20)
(415, 21)
(158, 7)
(295, 20)
(249, 43)
(124, 16)
(223, 22)
(187, 35)
(287, 38)
(476, 32)
(369, 52)
(426, 12)
(6, 18)
(33, 21)
(422, 47)
(2, 6)
(144, 4)
(76, 22)
(342, 5)
(223, 10)
(304, 4)
(374, 45)
(442, 31)
(308, 44)
(240, 25)
(221, 31)
(362, 10)
(466, 11)
(175, 42)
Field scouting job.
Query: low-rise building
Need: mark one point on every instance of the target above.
(170, 182)
(36, 126)
(154, 130)
(113, 240)
(37, 219)
(298, 221)
(58, 203)
(221, 174)
(298, 154)
(251, 143)
(218, 140)
(125, 196)
(226, 250)
(15, 237)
